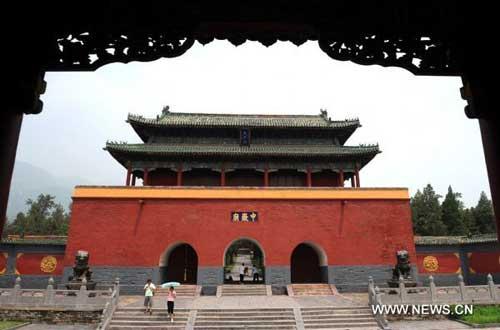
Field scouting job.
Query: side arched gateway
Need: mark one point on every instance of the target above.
(179, 263)
(309, 264)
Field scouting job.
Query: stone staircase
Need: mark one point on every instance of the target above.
(250, 319)
(185, 290)
(242, 290)
(359, 317)
(133, 318)
(314, 289)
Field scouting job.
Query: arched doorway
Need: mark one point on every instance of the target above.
(247, 253)
(180, 264)
(308, 264)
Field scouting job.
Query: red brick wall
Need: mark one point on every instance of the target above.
(127, 233)
(39, 264)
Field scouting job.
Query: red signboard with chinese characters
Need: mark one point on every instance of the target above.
(246, 216)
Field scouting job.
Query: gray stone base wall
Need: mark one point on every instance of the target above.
(132, 279)
(278, 275)
(48, 315)
(28, 281)
(440, 279)
(355, 278)
(210, 276)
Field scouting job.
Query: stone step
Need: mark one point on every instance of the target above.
(147, 323)
(148, 327)
(245, 323)
(243, 310)
(313, 289)
(242, 318)
(340, 320)
(364, 325)
(341, 315)
(146, 318)
(246, 327)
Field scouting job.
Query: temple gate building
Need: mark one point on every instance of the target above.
(219, 190)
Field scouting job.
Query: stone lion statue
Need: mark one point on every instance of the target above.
(81, 269)
(402, 267)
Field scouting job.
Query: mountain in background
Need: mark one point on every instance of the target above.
(29, 181)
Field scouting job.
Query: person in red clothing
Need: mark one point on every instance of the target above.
(170, 302)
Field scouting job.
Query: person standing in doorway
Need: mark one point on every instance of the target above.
(255, 273)
(170, 303)
(149, 291)
(242, 272)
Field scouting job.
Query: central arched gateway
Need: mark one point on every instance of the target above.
(248, 254)
(308, 264)
(179, 264)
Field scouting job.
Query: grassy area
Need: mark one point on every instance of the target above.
(483, 315)
(9, 324)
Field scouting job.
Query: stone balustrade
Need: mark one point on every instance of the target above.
(460, 294)
(50, 297)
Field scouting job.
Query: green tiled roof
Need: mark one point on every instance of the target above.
(179, 119)
(454, 240)
(309, 151)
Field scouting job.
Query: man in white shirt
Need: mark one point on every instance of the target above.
(149, 291)
(242, 272)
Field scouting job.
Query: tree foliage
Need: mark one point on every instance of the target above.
(44, 217)
(430, 218)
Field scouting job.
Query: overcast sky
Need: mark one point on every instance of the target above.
(419, 122)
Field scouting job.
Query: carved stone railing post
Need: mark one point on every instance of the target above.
(116, 286)
(49, 293)
(382, 318)
(371, 291)
(16, 292)
(82, 295)
(402, 289)
(492, 288)
(462, 288)
(432, 288)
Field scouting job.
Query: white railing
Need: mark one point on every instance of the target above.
(109, 309)
(72, 299)
(489, 293)
(374, 298)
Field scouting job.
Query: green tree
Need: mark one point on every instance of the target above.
(452, 214)
(426, 213)
(44, 217)
(483, 215)
(469, 221)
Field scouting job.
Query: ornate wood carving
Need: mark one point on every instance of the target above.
(88, 51)
(419, 54)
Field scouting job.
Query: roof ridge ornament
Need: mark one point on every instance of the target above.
(323, 113)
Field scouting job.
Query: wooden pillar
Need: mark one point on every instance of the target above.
(10, 126)
(21, 95)
(266, 177)
(145, 178)
(356, 173)
(179, 176)
(223, 177)
(133, 179)
(129, 174)
(341, 178)
(483, 104)
(353, 181)
(309, 177)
